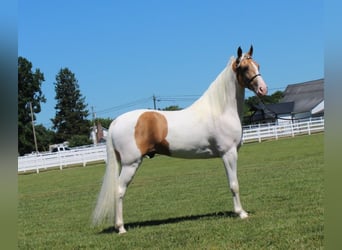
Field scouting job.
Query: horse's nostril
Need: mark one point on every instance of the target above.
(262, 90)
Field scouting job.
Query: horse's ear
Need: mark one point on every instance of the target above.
(239, 55)
(239, 52)
(250, 52)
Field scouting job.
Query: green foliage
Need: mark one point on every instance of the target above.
(105, 122)
(79, 140)
(275, 97)
(172, 108)
(45, 137)
(255, 100)
(185, 204)
(71, 109)
(268, 99)
(29, 91)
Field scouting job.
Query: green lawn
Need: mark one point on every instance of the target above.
(185, 204)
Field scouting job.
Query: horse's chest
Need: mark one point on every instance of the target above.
(227, 132)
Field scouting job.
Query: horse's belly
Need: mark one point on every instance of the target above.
(199, 153)
(192, 147)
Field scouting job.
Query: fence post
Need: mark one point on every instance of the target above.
(37, 165)
(309, 131)
(60, 161)
(83, 159)
(259, 135)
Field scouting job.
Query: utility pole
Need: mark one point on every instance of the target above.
(94, 131)
(154, 102)
(33, 129)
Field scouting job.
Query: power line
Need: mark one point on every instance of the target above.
(181, 98)
(125, 105)
(155, 99)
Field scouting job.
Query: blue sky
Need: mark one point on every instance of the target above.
(123, 52)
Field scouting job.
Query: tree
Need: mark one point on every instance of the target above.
(71, 110)
(78, 140)
(254, 100)
(45, 137)
(29, 91)
(105, 122)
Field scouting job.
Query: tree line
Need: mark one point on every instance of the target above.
(70, 122)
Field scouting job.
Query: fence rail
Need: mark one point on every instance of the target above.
(43, 161)
(285, 129)
(85, 155)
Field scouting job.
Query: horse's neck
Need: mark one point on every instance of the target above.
(222, 95)
(240, 98)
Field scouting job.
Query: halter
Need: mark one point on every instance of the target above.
(249, 81)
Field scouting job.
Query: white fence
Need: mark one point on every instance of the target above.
(43, 161)
(285, 129)
(90, 154)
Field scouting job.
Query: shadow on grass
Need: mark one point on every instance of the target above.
(149, 223)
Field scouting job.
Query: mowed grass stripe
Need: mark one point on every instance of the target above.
(185, 204)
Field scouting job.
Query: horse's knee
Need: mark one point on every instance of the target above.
(121, 191)
(126, 176)
(234, 187)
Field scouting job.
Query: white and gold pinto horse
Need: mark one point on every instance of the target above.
(210, 127)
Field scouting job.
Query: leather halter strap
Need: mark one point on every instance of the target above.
(250, 80)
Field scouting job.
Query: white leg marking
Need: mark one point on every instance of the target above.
(126, 176)
(230, 163)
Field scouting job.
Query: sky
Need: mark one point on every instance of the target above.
(124, 52)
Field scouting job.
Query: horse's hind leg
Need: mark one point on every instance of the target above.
(230, 163)
(126, 176)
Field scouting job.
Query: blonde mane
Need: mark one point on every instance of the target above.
(220, 94)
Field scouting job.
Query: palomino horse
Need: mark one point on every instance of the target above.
(210, 127)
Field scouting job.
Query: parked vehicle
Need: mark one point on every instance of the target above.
(59, 147)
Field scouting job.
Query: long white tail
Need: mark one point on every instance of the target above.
(105, 207)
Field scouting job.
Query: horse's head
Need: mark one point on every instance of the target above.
(247, 72)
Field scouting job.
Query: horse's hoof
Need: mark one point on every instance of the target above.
(122, 230)
(243, 215)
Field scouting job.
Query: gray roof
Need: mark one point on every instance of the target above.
(280, 108)
(271, 111)
(304, 95)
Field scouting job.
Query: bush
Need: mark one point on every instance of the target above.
(79, 140)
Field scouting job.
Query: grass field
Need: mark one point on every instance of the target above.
(185, 204)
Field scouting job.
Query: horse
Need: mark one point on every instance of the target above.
(210, 127)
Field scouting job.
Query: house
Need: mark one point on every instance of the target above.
(308, 98)
(98, 133)
(272, 112)
(300, 101)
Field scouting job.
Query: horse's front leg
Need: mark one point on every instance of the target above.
(230, 163)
